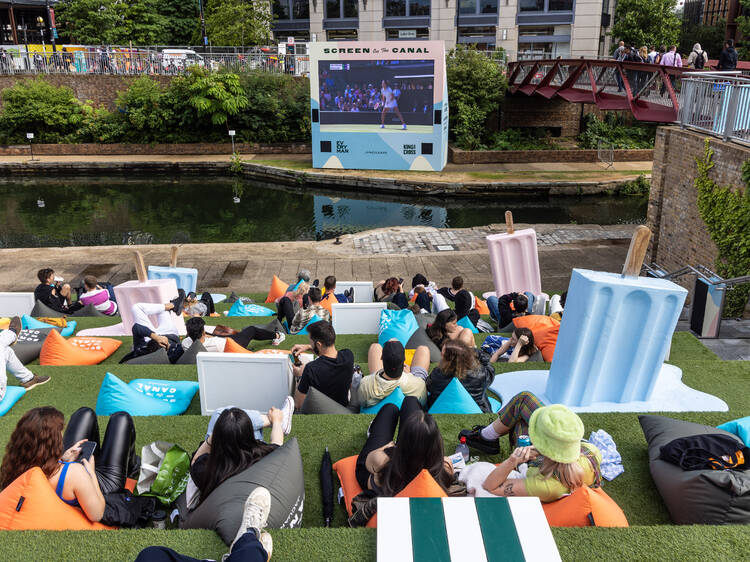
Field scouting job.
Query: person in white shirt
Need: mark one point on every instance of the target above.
(390, 102)
(196, 331)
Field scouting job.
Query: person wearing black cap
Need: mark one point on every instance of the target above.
(389, 371)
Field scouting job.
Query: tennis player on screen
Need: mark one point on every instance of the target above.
(390, 103)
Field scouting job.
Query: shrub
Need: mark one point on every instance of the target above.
(516, 139)
(612, 130)
(469, 128)
(639, 186)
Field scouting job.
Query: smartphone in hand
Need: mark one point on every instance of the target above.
(87, 449)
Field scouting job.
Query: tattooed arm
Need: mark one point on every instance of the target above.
(498, 482)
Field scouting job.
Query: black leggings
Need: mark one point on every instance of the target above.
(382, 430)
(252, 333)
(115, 458)
(285, 309)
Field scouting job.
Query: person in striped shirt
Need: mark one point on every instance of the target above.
(97, 296)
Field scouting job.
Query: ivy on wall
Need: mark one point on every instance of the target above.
(726, 213)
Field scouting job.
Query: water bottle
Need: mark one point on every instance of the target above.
(463, 448)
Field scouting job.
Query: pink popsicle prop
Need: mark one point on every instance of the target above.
(514, 260)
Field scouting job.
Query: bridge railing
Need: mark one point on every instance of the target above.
(718, 104)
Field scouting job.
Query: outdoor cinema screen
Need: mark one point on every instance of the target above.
(370, 95)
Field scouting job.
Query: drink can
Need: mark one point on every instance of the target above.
(523, 441)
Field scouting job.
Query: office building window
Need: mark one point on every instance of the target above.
(545, 5)
(291, 9)
(406, 8)
(477, 6)
(421, 33)
(341, 35)
(337, 9)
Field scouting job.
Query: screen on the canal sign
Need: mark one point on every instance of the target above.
(379, 105)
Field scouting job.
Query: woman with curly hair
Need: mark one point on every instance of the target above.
(470, 365)
(38, 441)
(391, 290)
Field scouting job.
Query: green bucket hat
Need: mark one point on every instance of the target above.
(556, 432)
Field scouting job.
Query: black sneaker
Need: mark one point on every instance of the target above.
(178, 302)
(316, 282)
(349, 294)
(475, 440)
(232, 298)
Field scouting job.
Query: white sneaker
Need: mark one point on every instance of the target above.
(278, 339)
(267, 542)
(287, 409)
(403, 126)
(382, 126)
(255, 514)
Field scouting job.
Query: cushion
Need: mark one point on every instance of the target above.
(12, 395)
(56, 350)
(274, 326)
(280, 473)
(398, 324)
(41, 309)
(423, 485)
(740, 428)
(455, 399)
(144, 397)
(584, 508)
(29, 344)
(536, 356)
(481, 306)
(190, 356)
(277, 290)
(30, 323)
(420, 337)
(318, 403)
(89, 310)
(396, 397)
(241, 309)
(158, 357)
(545, 330)
(711, 497)
(232, 346)
(465, 322)
(315, 318)
(41, 508)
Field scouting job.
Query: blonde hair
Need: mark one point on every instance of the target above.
(643, 51)
(570, 474)
(301, 289)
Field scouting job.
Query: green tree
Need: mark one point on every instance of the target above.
(711, 38)
(743, 27)
(647, 22)
(214, 95)
(238, 22)
(476, 86)
(86, 22)
(182, 21)
(140, 23)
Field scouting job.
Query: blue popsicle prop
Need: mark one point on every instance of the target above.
(615, 333)
(185, 277)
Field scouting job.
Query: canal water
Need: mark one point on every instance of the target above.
(102, 211)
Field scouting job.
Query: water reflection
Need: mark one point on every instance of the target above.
(103, 211)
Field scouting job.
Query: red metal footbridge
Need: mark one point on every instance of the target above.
(649, 91)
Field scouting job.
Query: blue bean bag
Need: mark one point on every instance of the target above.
(495, 405)
(398, 324)
(396, 397)
(144, 397)
(240, 309)
(12, 395)
(218, 297)
(315, 318)
(29, 323)
(455, 399)
(466, 323)
(740, 428)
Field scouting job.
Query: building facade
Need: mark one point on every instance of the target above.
(24, 21)
(523, 28)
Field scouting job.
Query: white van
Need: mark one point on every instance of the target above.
(180, 58)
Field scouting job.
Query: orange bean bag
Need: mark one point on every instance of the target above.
(545, 330)
(232, 346)
(278, 288)
(423, 486)
(56, 350)
(481, 306)
(586, 507)
(41, 509)
(327, 302)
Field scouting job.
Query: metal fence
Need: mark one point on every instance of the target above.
(134, 61)
(718, 104)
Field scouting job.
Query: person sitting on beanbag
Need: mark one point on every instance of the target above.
(305, 314)
(521, 342)
(53, 294)
(471, 366)
(389, 372)
(196, 331)
(292, 302)
(559, 462)
(97, 296)
(9, 361)
(391, 290)
(38, 441)
(147, 338)
(445, 327)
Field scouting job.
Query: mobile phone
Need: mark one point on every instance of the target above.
(87, 449)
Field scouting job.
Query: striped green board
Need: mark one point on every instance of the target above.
(463, 529)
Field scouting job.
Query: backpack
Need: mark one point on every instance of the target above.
(700, 60)
(706, 452)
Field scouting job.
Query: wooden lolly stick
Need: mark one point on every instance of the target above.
(173, 257)
(637, 252)
(140, 267)
(509, 222)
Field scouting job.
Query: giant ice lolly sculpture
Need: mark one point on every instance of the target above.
(186, 277)
(615, 333)
(514, 260)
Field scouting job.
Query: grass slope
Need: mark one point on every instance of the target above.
(651, 537)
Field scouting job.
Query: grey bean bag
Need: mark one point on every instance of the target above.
(158, 357)
(279, 472)
(90, 310)
(41, 310)
(709, 497)
(536, 356)
(29, 344)
(318, 403)
(424, 319)
(274, 326)
(191, 354)
(420, 337)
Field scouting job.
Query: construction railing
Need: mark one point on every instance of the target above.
(718, 104)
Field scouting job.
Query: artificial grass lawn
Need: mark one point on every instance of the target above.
(651, 537)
